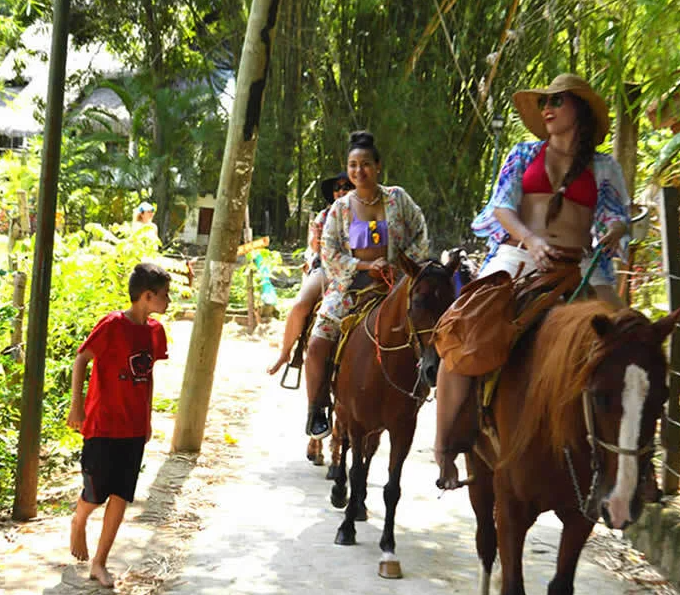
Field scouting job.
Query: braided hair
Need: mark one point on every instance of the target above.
(585, 131)
(363, 139)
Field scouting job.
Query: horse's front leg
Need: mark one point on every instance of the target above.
(513, 520)
(574, 535)
(482, 499)
(346, 534)
(372, 441)
(400, 444)
(339, 490)
(336, 449)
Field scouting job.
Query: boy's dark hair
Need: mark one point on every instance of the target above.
(147, 277)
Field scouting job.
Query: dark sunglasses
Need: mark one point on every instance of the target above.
(346, 186)
(556, 100)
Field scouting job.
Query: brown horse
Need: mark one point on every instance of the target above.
(575, 415)
(381, 384)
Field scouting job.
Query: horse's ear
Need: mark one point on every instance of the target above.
(666, 325)
(603, 325)
(406, 264)
(453, 259)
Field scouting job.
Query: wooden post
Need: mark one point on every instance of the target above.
(250, 282)
(625, 152)
(670, 222)
(232, 198)
(18, 302)
(626, 133)
(26, 493)
(24, 219)
(250, 285)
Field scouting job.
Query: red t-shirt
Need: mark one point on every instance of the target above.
(117, 402)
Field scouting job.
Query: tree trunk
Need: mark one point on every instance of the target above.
(626, 134)
(160, 184)
(26, 493)
(232, 199)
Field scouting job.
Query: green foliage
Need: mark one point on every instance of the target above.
(165, 405)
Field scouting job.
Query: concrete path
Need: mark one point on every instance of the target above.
(272, 530)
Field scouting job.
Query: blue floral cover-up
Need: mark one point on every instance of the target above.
(613, 202)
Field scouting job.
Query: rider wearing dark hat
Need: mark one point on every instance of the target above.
(315, 281)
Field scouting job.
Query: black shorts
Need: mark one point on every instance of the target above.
(111, 467)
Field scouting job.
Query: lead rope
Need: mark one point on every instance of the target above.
(379, 349)
(589, 273)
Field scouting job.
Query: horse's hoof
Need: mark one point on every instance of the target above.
(318, 461)
(339, 500)
(333, 472)
(362, 513)
(311, 456)
(345, 538)
(390, 569)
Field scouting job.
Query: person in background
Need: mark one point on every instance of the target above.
(143, 217)
(115, 417)
(314, 281)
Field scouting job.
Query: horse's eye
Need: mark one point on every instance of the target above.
(601, 399)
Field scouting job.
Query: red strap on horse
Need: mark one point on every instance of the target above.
(388, 279)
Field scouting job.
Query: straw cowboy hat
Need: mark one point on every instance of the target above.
(526, 102)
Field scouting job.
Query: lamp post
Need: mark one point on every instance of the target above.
(497, 123)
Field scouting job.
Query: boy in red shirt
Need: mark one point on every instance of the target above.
(115, 418)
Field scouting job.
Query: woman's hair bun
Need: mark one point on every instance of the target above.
(361, 138)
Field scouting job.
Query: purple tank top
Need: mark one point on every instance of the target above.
(367, 234)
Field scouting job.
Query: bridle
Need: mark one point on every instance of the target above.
(585, 505)
(413, 339)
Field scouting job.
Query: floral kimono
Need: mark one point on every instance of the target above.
(406, 230)
(613, 202)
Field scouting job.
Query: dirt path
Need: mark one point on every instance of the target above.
(251, 515)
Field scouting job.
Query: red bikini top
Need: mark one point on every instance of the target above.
(582, 191)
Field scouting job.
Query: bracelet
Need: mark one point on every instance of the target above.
(522, 242)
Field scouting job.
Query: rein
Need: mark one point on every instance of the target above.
(412, 340)
(585, 505)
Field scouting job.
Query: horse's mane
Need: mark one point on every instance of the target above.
(562, 360)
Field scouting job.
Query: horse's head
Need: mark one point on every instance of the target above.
(623, 399)
(432, 291)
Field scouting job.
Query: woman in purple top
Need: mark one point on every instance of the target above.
(364, 232)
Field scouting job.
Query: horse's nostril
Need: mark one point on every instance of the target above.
(431, 376)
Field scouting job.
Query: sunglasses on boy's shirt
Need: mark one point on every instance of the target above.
(554, 101)
(346, 186)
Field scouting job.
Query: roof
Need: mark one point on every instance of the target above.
(106, 100)
(31, 63)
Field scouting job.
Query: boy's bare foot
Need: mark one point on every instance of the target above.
(274, 368)
(78, 541)
(99, 573)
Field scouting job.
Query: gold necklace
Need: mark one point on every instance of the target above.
(369, 203)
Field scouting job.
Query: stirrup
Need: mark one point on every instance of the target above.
(296, 382)
(312, 418)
